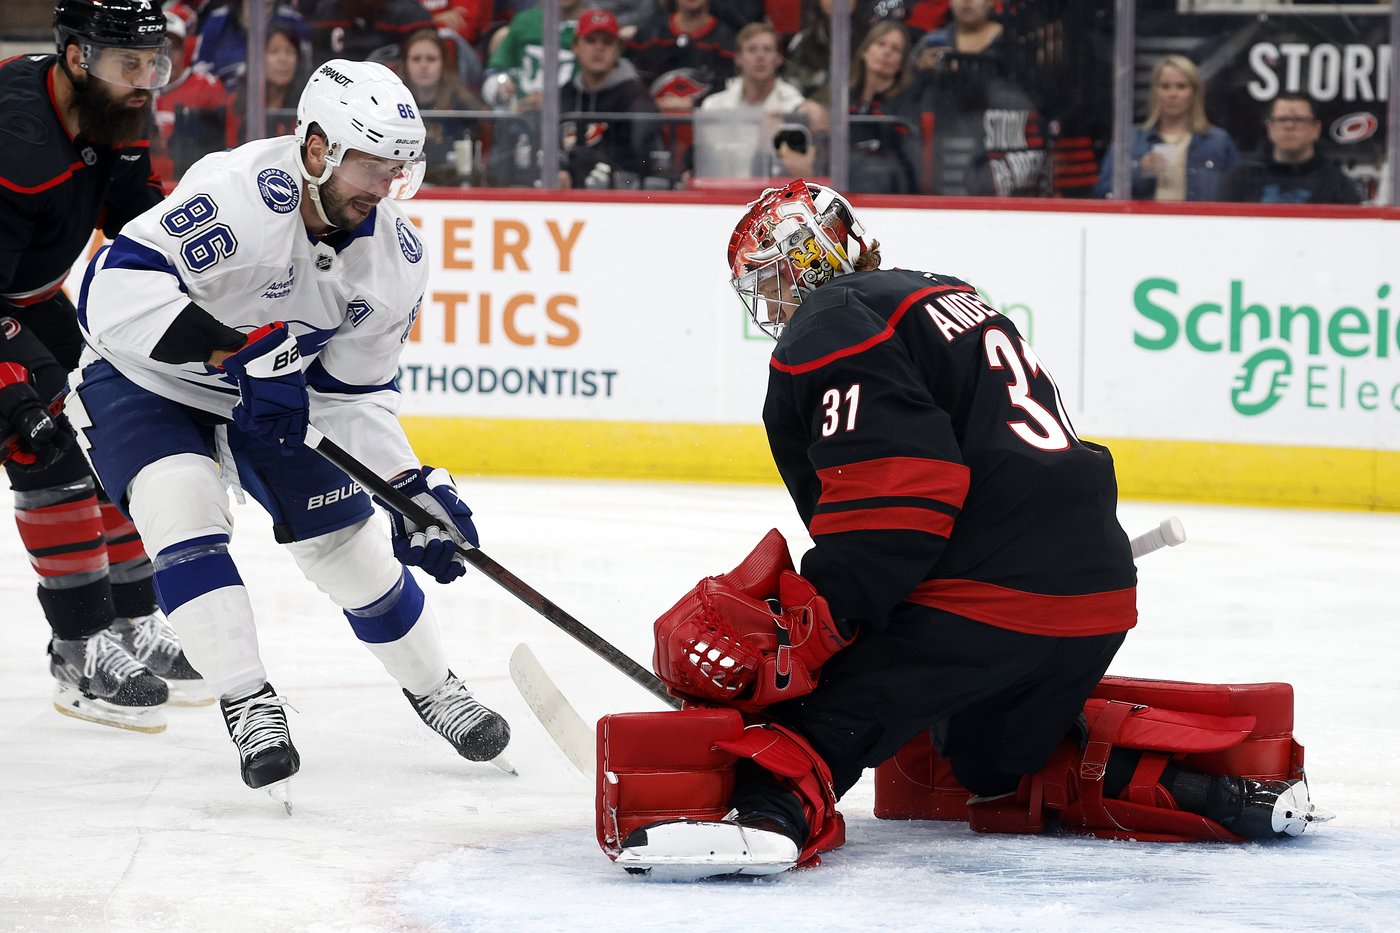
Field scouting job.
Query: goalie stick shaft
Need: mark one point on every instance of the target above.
(508, 581)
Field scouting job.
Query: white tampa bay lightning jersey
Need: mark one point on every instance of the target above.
(231, 239)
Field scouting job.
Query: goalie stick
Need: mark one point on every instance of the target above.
(512, 584)
(576, 740)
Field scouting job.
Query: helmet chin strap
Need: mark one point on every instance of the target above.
(313, 189)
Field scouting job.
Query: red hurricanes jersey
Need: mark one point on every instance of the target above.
(929, 454)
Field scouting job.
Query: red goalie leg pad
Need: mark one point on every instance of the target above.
(663, 766)
(1238, 729)
(918, 784)
(798, 767)
(1268, 753)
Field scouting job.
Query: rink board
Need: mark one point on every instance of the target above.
(1223, 358)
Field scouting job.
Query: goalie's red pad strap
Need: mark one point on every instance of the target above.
(798, 767)
(662, 766)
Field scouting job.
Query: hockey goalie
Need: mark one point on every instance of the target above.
(968, 586)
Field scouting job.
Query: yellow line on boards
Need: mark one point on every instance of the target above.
(1187, 471)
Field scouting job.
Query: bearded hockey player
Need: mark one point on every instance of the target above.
(276, 286)
(969, 584)
(74, 157)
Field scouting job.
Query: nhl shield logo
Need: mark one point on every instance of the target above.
(279, 191)
(408, 242)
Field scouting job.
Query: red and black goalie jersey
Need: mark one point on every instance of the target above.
(54, 189)
(928, 453)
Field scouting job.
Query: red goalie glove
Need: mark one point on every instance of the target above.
(748, 638)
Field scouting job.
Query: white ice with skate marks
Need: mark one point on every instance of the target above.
(109, 830)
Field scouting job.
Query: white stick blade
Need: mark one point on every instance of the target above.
(563, 723)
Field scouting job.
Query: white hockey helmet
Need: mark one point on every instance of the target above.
(364, 106)
(791, 241)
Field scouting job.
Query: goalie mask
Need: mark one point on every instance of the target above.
(792, 241)
(364, 107)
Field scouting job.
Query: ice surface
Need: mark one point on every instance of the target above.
(109, 830)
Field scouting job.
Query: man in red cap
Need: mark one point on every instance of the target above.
(604, 153)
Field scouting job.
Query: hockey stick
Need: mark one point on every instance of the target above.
(576, 740)
(558, 716)
(1169, 533)
(512, 584)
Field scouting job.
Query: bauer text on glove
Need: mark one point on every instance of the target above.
(434, 546)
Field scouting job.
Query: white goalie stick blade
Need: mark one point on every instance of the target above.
(563, 723)
(692, 850)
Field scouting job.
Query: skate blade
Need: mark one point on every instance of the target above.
(281, 793)
(188, 693)
(504, 763)
(70, 702)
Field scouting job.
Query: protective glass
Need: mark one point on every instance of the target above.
(382, 177)
(147, 69)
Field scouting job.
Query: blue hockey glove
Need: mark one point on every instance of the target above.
(271, 387)
(433, 547)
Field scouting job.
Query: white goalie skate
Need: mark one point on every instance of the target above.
(692, 850)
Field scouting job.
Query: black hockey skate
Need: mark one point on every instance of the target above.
(98, 680)
(152, 641)
(1265, 809)
(258, 726)
(478, 733)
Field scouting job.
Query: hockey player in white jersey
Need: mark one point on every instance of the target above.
(275, 287)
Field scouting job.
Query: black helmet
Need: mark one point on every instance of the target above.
(131, 24)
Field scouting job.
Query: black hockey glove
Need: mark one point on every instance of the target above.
(31, 438)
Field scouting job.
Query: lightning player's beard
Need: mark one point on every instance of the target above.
(107, 119)
(335, 201)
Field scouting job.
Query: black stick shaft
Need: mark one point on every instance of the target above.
(508, 581)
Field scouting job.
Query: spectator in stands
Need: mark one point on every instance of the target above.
(757, 85)
(436, 86)
(683, 55)
(191, 112)
(740, 141)
(1288, 169)
(364, 30)
(514, 73)
(988, 139)
(607, 153)
(222, 47)
(1177, 154)
(285, 72)
(971, 31)
(883, 149)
